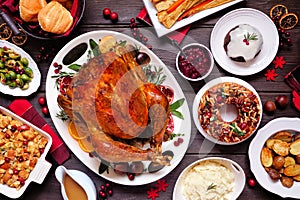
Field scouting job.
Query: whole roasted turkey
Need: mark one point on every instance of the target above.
(124, 116)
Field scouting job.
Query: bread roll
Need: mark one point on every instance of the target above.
(29, 9)
(55, 18)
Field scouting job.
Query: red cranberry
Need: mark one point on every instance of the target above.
(132, 20)
(21, 159)
(24, 127)
(25, 142)
(107, 185)
(114, 17)
(7, 136)
(22, 181)
(180, 140)
(6, 159)
(131, 176)
(106, 13)
(16, 171)
(55, 64)
(45, 110)
(176, 143)
(102, 187)
(102, 194)
(251, 182)
(42, 150)
(110, 192)
(42, 101)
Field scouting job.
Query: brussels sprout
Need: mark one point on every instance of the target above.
(28, 71)
(2, 78)
(14, 55)
(25, 77)
(25, 86)
(24, 61)
(10, 63)
(20, 82)
(12, 74)
(2, 65)
(12, 84)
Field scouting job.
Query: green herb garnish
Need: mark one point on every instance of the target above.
(249, 36)
(174, 106)
(211, 186)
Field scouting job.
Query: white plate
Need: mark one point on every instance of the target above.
(41, 168)
(256, 145)
(161, 30)
(181, 126)
(209, 85)
(35, 82)
(256, 19)
(239, 177)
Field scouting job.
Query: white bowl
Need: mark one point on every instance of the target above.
(237, 170)
(209, 85)
(209, 57)
(256, 145)
(41, 168)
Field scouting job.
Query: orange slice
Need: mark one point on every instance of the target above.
(278, 10)
(19, 39)
(73, 131)
(85, 145)
(288, 21)
(5, 32)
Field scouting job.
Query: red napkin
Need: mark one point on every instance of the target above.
(24, 109)
(177, 35)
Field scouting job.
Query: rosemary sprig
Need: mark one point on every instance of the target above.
(62, 115)
(211, 186)
(249, 36)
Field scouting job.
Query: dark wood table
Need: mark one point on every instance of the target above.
(199, 32)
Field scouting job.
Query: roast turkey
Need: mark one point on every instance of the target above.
(124, 116)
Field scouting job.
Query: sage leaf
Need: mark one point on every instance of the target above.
(94, 47)
(176, 104)
(177, 114)
(75, 67)
(103, 167)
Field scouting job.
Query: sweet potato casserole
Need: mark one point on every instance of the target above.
(20, 148)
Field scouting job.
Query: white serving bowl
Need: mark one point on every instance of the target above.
(256, 145)
(207, 54)
(237, 170)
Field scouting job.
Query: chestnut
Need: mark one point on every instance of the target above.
(269, 107)
(281, 101)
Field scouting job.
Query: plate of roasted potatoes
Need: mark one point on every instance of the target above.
(274, 155)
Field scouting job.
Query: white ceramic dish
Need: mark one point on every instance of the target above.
(41, 169)
(181, 126)
(239, 177)
(161, 30)
(256, 19)
(201, 93)
(256, 145)
(81, 178)
(35, 82)
(207, 52)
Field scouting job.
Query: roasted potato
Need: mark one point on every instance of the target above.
(270, 143)
(284, 136)
(297, 136)
(281, 148)
(287, 181)
(297, 158)
(297, 178)
(278, 162)
(289, 161)
(266, 157)
(295, 147)
(292, 170)
(274, 174)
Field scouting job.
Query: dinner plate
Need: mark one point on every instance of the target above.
(237, 170)
(255, 18)
(181, 126)
(256, 145)
(36, 80)
(211, 84)
(161, 30)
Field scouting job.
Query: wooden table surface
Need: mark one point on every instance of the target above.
(199, 32)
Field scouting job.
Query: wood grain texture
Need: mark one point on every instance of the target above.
(199, 32)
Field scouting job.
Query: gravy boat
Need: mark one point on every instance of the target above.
(81, 178)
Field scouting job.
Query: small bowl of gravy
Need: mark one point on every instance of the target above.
(75, 184)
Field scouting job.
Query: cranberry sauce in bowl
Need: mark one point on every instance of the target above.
(196, 64)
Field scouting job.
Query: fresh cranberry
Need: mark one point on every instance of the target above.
(24, 127)
(25, 142)
(102, 194)
(251, 182)
(21, 159)
(176, 143)
(180, 140)
(106, 13)
(56, 71)
(131, 176)
(42, 101)
(114, 17)
(107, 185)
(110, 192)
(16, 171)
(6, 159)
(132, 20)
(243, 125)
(102, 187)
(42, 150)
(22, 181)
(45, 110)
(55, 64)
(7, 136)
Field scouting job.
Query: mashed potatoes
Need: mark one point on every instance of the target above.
(208, 180)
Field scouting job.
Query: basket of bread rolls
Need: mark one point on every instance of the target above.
(50, 19)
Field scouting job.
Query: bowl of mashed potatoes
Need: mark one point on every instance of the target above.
(211, 178)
